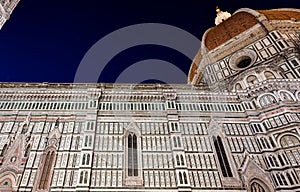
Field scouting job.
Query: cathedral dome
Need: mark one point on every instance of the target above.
(235, 32)
(231, 27)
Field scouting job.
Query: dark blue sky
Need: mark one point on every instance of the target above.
(45, 40)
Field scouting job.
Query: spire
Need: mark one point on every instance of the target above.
(221, 16)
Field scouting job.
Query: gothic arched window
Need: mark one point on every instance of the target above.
(132, 155)
(83, 179)
(185, 178)
(256, 187)
(177, 160)
(182, 159)
(176, 141)
(222, 157)
(180, 178)
(87, 159)
(83, 159)
(46, 172)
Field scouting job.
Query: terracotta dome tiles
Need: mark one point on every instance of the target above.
(280, 14)
(233, 26)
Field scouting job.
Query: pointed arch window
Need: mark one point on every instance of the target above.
(176, 141)
(133, 169)
(88, 141)
(83, 177)
(180, 178)
(222, 157)
(46, 172)
(86, 159)
(132, 155)
(180, 160)
(183, 179)
(177, 159)
(256, 187)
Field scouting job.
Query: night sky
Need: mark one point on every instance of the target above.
(46, 40)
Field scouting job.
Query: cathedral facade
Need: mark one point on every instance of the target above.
(234, 127)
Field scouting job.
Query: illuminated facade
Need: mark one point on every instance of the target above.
(234, 127)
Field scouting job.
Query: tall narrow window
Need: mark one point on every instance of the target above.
(177, 159)
(224, 163)
(185, 178)
(85, 177)
(27, 151)
(281, 160)
(132, 155)
(4, 150)
(87, 159)
(178, 141)
(182, 160)
(45, 178)
(81, 177)
(175, 141)
(180, 178)
(283, 179)
(290, 178)
(83, 159)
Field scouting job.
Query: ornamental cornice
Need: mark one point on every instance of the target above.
(268, 86)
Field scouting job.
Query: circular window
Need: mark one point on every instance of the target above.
(244, 62)
(13, 159)
(242, 59)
